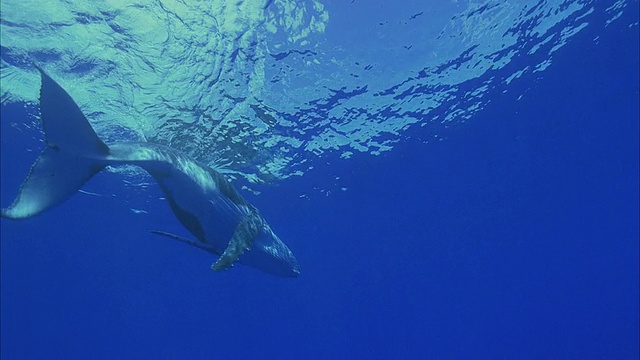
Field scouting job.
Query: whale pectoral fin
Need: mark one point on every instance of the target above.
(195, 243)
(242, 240)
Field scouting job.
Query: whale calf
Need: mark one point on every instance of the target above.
(219, 218)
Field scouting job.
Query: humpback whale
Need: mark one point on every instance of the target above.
(222, 222)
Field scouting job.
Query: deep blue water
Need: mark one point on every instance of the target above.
(516, 237)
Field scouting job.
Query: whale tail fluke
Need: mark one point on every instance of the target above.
(73, 154)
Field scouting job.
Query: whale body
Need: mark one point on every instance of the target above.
(221, 220)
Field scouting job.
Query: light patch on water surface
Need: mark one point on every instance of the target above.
(257, 88)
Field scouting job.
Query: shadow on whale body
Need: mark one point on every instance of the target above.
(222, 222)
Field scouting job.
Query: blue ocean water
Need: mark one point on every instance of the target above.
(516, 236)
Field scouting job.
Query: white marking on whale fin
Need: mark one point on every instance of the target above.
(242, 240)
(73, 154)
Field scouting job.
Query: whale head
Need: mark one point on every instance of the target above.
(271, 255)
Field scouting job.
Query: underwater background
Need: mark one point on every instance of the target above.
(458, 179)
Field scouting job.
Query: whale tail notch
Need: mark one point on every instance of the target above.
(73, 154)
